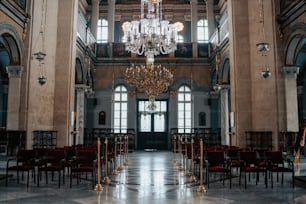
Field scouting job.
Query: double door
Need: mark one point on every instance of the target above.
(152, 125)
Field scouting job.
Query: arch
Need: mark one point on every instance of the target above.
(13, 42)
(225, 71)
(295, 55)
(80, 72)
(294, 42)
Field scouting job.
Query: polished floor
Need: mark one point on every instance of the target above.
(152, 178)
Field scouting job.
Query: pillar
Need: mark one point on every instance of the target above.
(210, 17)
(290, 75)
(80, 103)
(225, 139)
(94, 17)
(111, 20)
(13, 107)
(194, 21)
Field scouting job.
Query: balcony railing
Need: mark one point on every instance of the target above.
(117, 50)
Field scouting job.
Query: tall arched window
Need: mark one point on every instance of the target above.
(102, 31)
(184, 117)
(202, 31)
(120, 109)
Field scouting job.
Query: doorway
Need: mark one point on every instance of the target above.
(152, 125)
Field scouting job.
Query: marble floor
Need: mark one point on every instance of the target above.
(152, 178)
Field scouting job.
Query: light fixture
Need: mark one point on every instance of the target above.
(41, 54)
(263, 47)
(151, 35)
(150, 78)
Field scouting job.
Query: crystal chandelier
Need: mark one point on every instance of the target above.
(151, 35)
(150, 79)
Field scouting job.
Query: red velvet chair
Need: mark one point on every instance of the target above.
(85, 161)
(216, 162)
(277, 164)
(250, 163)
(53, 162)
(24, 162)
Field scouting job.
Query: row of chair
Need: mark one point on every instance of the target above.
(224, 159)
(76, 160)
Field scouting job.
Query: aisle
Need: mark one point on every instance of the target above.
(152, 175)
(150, 178)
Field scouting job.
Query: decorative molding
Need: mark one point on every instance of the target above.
(17, 14)
(14, 71)
(291, 71)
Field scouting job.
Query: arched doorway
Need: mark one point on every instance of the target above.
(10, 61)
(296, 56)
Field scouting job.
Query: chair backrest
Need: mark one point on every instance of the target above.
(215, 157)
(249, 157)
(26, 155)
(55, 155)
(86, 156)
(275, 157)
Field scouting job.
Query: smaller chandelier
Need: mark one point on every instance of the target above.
(151, 35)
(150, 79)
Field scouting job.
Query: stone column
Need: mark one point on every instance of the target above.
(13, 105)
(111, 20)
(290, 74)
(225, 139)
(80, 102)
(94, 17)
(210, 17)
(194, 21)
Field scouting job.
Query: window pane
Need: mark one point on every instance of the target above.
(116, 114)
(123, 106)
(159, 123)
(124, 97)
(187, 106)
(116, 122)
(180, 107)
(117, 106)
(117, 96)
(145, 123)
(180, 97)
(187, 97)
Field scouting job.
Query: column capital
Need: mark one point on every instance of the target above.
(291, 71)
(14, 71)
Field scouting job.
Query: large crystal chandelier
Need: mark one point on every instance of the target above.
(151, 35)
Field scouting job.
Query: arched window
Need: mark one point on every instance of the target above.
(120, 109)
(184, 117)
(102, 31)
(202, 31)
